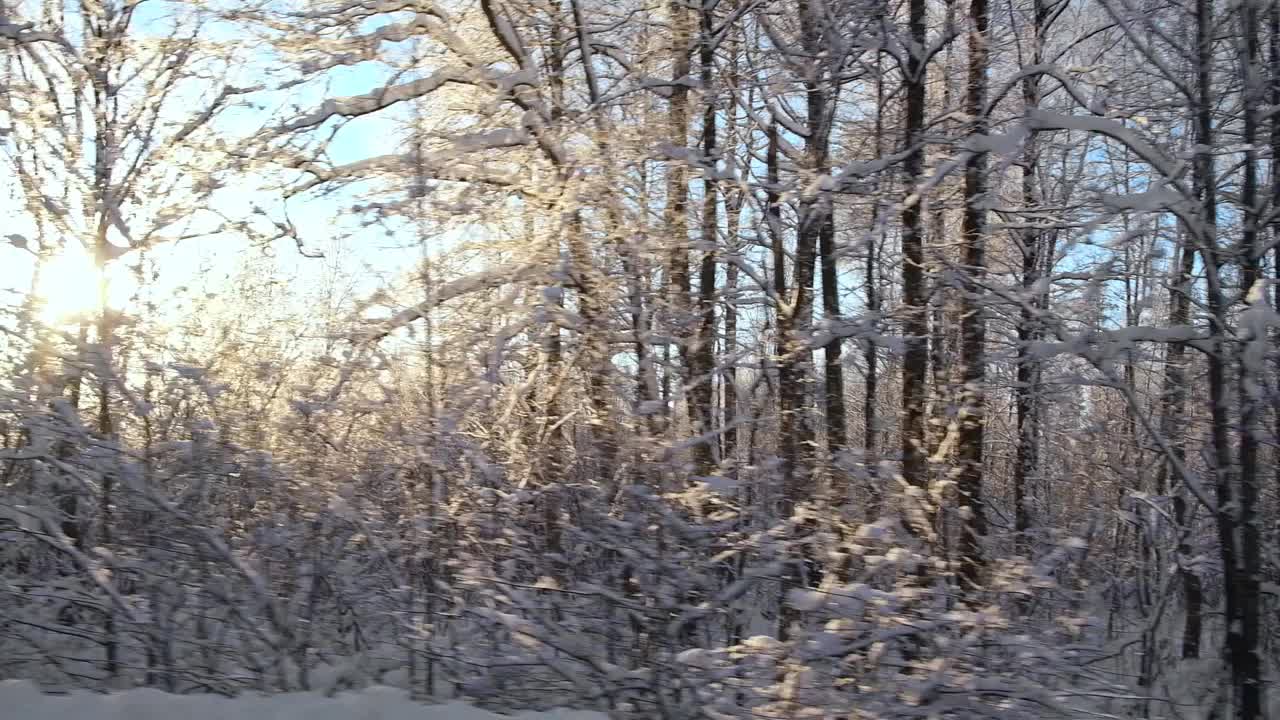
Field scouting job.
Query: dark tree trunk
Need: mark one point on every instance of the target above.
(1173, 402)
(1243, 633)
(1236, 495)
(1273, 31)
(1027, 389)
(973, 332)
(833, 361)
(871, 382)
(914, 324)
(105, 29)
(796, 427)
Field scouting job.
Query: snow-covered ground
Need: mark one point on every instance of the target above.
(20, 700)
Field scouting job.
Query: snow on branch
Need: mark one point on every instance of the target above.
(483, 280)
(23, 33)
(357, 105)
(1122, 340)
(1167, 167)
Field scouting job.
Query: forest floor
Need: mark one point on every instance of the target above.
(21, 700)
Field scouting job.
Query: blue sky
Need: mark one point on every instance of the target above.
(323, 222)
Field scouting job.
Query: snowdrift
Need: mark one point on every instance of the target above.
(21, 700)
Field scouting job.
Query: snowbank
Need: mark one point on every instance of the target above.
(21, 700)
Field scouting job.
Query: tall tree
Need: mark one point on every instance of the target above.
(702, 355)
(1027, 389)
(1243, 599)
(915, 321)
(973, 335)
(676, 222)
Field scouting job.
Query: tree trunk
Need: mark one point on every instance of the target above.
(1027, 388)
(871, 353)
(104, 158)
(678, 290)
(1243, 634)
(796, 428)
(819, 222)
(1273, 32)
(833, 361)
(733, 208)
(1236, 496)
(914, 323)
(734, 199)
(973, 333)
(1173, 401)
(702, 354)
(773, 220)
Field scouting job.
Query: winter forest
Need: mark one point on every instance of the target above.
(723, 359)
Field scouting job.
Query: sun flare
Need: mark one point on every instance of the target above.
(69, 285)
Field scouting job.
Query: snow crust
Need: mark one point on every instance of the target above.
(22, 699)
